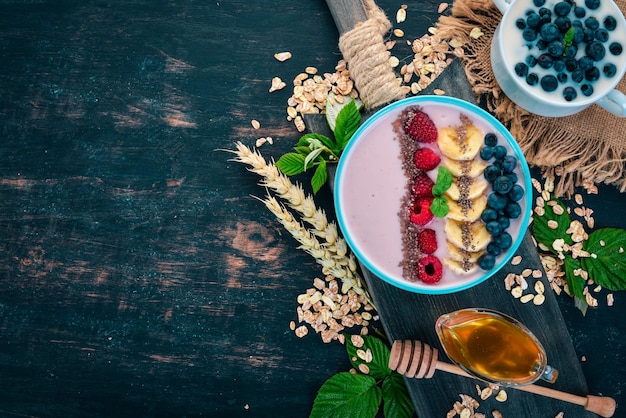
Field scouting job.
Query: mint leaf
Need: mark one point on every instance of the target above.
(348, 121)
(379, 366)
(569, 36)
(575, 283)
(319, 177)
(291, 163)
(439, 207)
(444, 181)
(608, 268)
(546, 235)
(347, 395)
(396, 400)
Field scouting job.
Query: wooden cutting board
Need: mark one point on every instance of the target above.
(406, 315)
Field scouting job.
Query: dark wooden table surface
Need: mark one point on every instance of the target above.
(139, 277)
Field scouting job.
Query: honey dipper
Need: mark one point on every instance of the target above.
(415, 359)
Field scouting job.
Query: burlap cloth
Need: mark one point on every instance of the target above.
(587, 147)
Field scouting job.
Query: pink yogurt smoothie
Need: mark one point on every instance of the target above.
(371, 184)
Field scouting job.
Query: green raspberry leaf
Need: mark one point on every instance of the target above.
(347, 395)
(440, 207)
(291, 163)
(379, 366)
(608, 267)
(315, 140)
(544, 234)
(575, 283)
(348, 121)
(396, 399)
(444, 181)
(319, 177)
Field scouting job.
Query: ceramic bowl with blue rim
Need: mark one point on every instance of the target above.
(374, 204)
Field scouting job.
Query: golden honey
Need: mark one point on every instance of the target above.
(491, 346)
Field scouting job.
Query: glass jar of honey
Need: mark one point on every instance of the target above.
(493, 347)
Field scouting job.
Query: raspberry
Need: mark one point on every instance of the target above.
(419, 126)
(420, 212)
(429, 269)
(427, 241)
(426, 159)
(423, 186)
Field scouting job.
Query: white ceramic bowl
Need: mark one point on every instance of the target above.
(370, 184)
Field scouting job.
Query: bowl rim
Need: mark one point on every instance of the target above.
(462, 105)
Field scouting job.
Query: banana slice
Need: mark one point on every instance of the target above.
(476, 187)
(469, 214)
(468, 236)
(471, 168)
(460, 267)
(461, 148)
(457, 254)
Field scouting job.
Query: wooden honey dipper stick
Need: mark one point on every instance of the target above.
(415, 359)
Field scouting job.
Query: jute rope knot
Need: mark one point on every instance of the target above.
(368, 59)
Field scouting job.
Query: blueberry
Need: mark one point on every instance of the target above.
(559, 65)
(520, 23)
(592, 23)
(571, 64)
(578, 75)
(592, 4)
(563, 23)
(579, 34)
(562, 77)
(544, 11)
(532, 20)
(504, 222)
(562, 8)
(529, 34)
(549, 83)
(595, 50)
(532, 79)
(513, 210)
(504, 240)
(521, 69)
(491, 173)
(492, 248)
(516, 193)
(569, 93)
(549, 32)
(493, 227)
(602, 35)
(556, 49)
(586, 89)
(545, 61)
(509, 163)
(585, 63)
(570, 51)
(609, 70)
(592, 74)
(610, 23)
(503, 184)
(487, 261)
(490, 139)
(512, 176)
(541, 45)
(496, 201)
(579, 12)
(589, 35)
(489, 215)
(539, 3)
(531, 61)
(499, 152)
(486, 153)
(615, 48)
